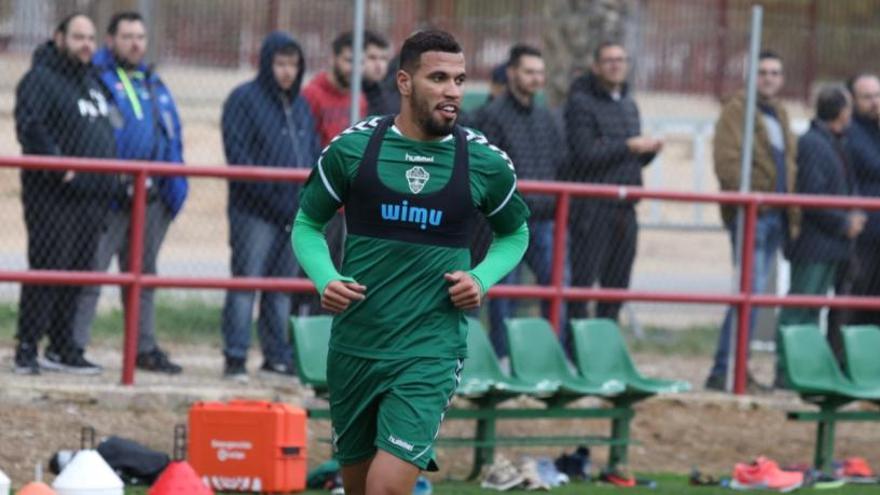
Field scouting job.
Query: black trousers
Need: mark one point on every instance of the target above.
(866, 281)
(602, 248)
(62, 235)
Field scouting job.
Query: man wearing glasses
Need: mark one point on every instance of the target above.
(606, 146)
(774, 170)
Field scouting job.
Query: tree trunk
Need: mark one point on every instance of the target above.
(578, 27)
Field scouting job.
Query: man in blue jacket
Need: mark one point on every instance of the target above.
(266, 122)
(147, 128)
(863, 143)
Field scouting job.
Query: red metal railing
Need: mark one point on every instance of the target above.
(556, 293)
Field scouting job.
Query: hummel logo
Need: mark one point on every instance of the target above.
(400, 443)
(418, 158)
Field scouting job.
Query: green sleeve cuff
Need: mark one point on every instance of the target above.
(312, 252)
(505, 252)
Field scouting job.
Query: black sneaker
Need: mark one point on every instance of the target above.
(25, 362)
(282, 369)
(72, 362)
(156, 360)
(235, 370)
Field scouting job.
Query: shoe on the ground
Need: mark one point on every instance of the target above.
(72, 361)
(282, 369)
(235, 369)
(25, 362)
(764, 473)
(156, 360)
(549, 474)
(576, 466)
(502, 475)
(619, 476)
(532, 481)
(855, 470)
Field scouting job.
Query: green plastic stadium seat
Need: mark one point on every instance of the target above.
(537, 358)
(311, 337)
(482, 376)
(601, 355)
(812, 370)
(862, 346)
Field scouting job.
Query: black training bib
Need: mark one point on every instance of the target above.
(441, 218)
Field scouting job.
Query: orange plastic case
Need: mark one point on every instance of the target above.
(250, 446)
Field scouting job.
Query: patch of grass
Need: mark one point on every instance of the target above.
(666, 485)
(694, 340)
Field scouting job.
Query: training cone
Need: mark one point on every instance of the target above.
(179, 478)
(36, 488)
(4, 483)
(88, 474)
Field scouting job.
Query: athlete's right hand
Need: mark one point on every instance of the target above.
(338, 295)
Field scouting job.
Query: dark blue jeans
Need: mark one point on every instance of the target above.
(539, 258)
(769, 234)
(259, 249)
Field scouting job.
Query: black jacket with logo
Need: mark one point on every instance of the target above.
(61, 110)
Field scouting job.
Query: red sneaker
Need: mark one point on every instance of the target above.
(619, 476)
(856, 467)
(765, 473)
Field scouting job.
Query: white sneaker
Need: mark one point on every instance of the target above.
(502, 475)
(532, 480)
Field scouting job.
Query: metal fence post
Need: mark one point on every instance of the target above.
(557, 275)
(135, 266)
(745, 181)
(744, 309)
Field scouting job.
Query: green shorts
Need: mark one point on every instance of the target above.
(394, 405)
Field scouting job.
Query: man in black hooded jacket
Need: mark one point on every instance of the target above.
(606, 146)
(61, 110)
(266, 122)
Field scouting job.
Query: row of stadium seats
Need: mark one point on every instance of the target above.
(813, 372)
(603, 366)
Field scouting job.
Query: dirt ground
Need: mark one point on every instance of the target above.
(39, 415)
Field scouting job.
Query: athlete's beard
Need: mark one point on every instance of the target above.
(424, 116)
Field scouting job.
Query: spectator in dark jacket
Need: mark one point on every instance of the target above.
(265, 122)
(606, 146)
(827, 235)
(380, 98)
(61, 110)
(150, 131)
(531, 136)
(863, 144)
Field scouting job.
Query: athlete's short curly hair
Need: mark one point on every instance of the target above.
(425, 41)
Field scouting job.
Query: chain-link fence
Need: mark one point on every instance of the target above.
(204, 83)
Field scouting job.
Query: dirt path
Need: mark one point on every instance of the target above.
(43, 414)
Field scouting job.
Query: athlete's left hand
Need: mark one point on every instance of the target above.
(465, 291)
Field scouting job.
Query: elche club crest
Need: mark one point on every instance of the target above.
(417, 177)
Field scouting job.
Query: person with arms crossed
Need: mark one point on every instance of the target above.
(411, 184)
